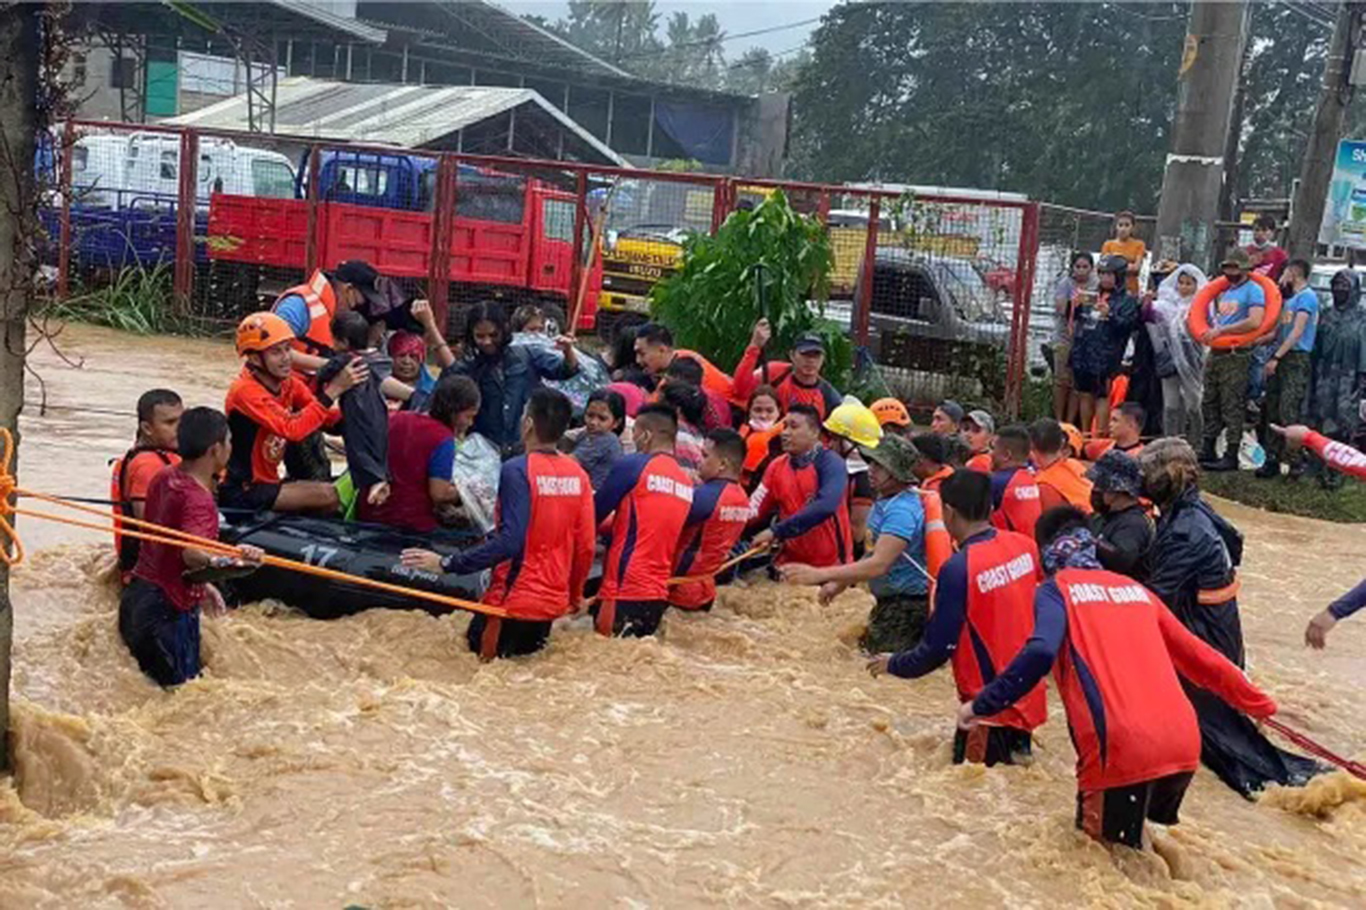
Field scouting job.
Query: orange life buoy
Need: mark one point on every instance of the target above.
(1197, 320)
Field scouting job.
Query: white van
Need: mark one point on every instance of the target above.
(142, 170)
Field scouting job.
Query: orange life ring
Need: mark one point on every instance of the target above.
(1197, 320)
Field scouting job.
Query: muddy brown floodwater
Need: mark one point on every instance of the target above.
(745, 759)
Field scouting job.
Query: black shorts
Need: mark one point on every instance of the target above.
(163, 640)
(634, 618)
(516, 637)
(1117, 815)
(983, 745)
(251, 497)
(1088, 383)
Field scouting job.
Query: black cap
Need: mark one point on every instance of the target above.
(953, 409)
(362, 275)
(809, 342)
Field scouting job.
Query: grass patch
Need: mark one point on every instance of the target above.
(1293, 497)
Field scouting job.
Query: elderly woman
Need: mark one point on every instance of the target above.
(1194, 562)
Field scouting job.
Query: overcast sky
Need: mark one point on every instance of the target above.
(735, 16)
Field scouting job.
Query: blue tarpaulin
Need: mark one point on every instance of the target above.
(703, 133)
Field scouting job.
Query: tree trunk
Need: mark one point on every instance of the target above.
(19, 37)
(1194, 178)
(1316, 170)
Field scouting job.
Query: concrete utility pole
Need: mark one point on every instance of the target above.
(1194, 178)
(19, 44)
(1316, 170)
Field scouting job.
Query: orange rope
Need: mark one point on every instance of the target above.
(752, 551)
(12, 547)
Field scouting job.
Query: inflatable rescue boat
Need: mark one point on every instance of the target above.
(364, 550)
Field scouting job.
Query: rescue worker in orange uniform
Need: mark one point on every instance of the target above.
(807, 488)
(542, 548)
(1014, 494)
(650, 494)
(983, 614)
(1115, 651)
(717, 519)
(308, 309)
(797, 380)
(978, 430)
(154, 448)
(269, 409)
(1059, 483)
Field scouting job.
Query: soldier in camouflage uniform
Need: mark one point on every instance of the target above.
(895, 568)
(1286, 367)
(1338, 382)
(1237, 309)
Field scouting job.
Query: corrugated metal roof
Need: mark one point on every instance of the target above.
(410, 116)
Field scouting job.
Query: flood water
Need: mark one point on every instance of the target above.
(744, 760)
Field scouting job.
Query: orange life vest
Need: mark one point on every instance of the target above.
(938, 543)
(322, 306)
(714, 378)
(127, 547)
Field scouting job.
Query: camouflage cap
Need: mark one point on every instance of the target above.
(1116, 472)
(896, 454)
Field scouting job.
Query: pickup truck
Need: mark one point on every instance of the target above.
(935, 317)
(125, 187)
(513, 235)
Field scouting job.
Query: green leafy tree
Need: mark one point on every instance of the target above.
(617, 31)
(714, 299)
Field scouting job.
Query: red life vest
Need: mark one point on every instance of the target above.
(1067, 482)
(322, 305)
(1129, 717)
(127, 547)
(980, 462)
(1020, 505)
(645, 533)
(543, 583)
(704, 546)
(1003, 573)
(413, 438)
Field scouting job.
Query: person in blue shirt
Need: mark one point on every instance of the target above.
(1288, 369)
(507, 375)
(1237, 311)
(895, 569)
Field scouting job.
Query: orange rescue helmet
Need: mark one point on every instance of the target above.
(260, 331)
(891, 411)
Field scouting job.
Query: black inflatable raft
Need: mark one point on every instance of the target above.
(364, 550)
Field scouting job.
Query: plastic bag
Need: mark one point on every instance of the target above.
(592, 374)
(475, 474)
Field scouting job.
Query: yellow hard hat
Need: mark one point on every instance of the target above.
(855, 422)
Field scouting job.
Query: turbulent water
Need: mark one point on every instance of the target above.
(744, 759)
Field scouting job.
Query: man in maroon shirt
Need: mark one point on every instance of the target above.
(421, 456)
(159, 610)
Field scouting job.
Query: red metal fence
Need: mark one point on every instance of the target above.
(935, 286)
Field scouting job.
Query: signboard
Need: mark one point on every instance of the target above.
(1344, 212)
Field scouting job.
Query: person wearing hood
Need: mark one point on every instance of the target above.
(506, 374)
(1179, 360)
(1286, 368)
(1194, 559)
(1101, 333)
(1338, 380)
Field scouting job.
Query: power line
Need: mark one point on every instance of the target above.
(723, 38)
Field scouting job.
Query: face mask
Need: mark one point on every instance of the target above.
(761, 425)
